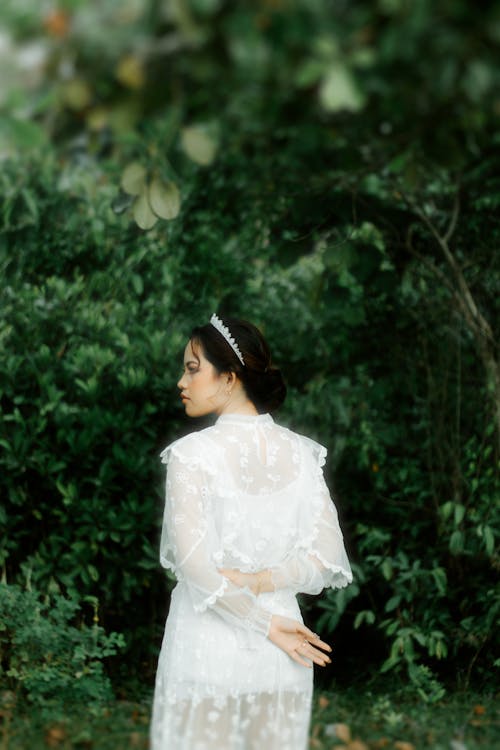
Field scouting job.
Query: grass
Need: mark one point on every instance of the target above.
(120, 726)
(382, 717)
(393, 718)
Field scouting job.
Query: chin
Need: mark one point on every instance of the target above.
(193, 411)
(190, 411)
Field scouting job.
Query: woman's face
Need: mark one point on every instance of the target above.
(203, 389)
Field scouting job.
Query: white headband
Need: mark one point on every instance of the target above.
(224, 330)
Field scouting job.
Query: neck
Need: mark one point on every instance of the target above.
(238, 404)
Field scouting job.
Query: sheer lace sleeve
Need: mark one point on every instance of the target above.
(189, 538)
(319, 560)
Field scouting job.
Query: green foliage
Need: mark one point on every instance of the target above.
(379, 714)
(376, 715)
(83, 396)
(95, 316)
(49, 656)
(306, 166)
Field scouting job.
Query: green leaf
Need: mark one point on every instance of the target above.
(206, 7)
(365, 615)
(339, 90)
(31, 203)
(387, 569)
(446, 509)
(439, 575)
(137, 283)
(457, 542)
(459, 513)
(309, 72)
(198, 145)
(143, 215)
(76, 94)
(441, 649)
(389, 663)
(420, 638)
(393, 603)
(133, 178)
(165, 199)
(20, 134)
(489, 539)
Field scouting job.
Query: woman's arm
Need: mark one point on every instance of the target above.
(188, 535)
(318, 562)
(258, 583)
(296, 573)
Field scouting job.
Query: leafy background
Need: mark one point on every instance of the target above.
(328, 170)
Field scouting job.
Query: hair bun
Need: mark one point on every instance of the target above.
(269, 389)
(263, 383)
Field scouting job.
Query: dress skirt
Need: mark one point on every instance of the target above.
(221, 687)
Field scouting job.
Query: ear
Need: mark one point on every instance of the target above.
(230, 378)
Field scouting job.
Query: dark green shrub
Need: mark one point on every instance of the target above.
(379, 367)
(49, 656)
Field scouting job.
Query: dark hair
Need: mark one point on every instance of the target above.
(263, 383)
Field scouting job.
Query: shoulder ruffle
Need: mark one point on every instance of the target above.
(318, 451)
(317, 458)
(195, 451)
(312, 542)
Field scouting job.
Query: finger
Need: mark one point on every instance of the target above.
(316, 640)
(322, 644)
(296, 657)
(318, 643)
(318, 657)
(320, 662)
(310, 634)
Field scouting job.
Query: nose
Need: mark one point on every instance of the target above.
(181, 383)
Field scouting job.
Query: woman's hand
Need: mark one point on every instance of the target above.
(298, 642)
(291, 636)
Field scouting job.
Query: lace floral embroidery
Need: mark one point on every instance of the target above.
(250, 494)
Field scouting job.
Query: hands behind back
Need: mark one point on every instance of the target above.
(296, 640)
(291, 636)
(258, 583)
(249, 580)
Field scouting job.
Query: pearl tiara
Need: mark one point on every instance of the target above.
(224, 330)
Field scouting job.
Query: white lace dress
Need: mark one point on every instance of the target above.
(245, 493)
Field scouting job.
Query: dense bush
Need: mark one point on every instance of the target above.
(348, 206)
(95, 316)
(83, 401)
(48, 654)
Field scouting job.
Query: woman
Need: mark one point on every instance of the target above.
(248, 524)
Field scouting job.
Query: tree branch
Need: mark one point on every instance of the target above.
(454, 218)
(475, 321)
(473, 315)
